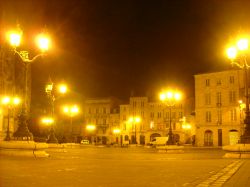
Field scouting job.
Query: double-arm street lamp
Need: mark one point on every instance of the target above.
(14, 38)
(238, 54)
(10, 103)
(134, 121)
(50, 91)
(170, 98)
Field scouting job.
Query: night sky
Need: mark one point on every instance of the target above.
(116, 47)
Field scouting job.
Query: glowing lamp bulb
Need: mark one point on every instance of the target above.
(232, 52)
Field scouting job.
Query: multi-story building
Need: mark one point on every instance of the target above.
(218, 115)
(103, 114)
(155, 120)
(11, 84)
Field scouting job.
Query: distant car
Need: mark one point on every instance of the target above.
(85, 142)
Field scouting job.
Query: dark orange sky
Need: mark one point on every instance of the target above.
(110, 48)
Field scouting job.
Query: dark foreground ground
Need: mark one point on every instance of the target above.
(89, 166)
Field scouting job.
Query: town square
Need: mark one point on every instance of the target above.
(124, 93)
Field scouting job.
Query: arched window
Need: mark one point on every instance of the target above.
(153, 136)
(126, 138)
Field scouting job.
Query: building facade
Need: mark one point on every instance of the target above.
(219, 118)
(11, 84)
(103, 113)
(155, 121)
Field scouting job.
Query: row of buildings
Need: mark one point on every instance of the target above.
(215, 116)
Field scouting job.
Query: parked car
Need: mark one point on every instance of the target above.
(159, 141)
(85, 142)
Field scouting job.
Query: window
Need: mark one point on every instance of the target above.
(104, 110)
(124, 117)
(231, 79)
(218, 82)
(134, 104)
(180, 115)
(167, 115)
(208, 116)
(97, 110)
(208, 99)
(152, 125)
(104, 121)
(89, 110)
(124, 126)
(152, 114)
(207, 82)
(233, 115)
(232, 96)
(159, 114)
(218, 98)
(142, 104)
(219, 117)
(142, 114)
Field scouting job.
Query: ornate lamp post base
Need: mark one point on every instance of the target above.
(52, 137)
(23, 132)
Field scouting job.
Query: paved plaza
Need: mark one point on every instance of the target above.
(134, 166)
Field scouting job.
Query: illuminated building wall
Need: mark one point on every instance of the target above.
(218, 115)
(154, 120)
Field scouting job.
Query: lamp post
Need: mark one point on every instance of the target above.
(170, 98)
(9, 103)
(50, 91)
(238, 56)
(134, 121)
(72, 111)
(14, 37)
(91, 128)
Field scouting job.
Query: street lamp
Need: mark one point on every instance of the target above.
(71, 111)
(170, 98)
(50, 91)
(9, 102)
(47, 120)
(14, 38)
(238, 56)
(91, 128)
(134, 121)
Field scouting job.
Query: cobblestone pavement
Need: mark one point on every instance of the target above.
(112, 167)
